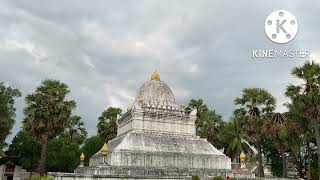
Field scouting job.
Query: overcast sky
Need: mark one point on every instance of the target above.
(105, 50)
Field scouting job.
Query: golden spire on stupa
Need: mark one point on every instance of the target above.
(82, 157)
(104, 149)
(242, 156)
(155, 76)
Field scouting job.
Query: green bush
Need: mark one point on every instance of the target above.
(218, 178)
(195, 178)
(37, 177)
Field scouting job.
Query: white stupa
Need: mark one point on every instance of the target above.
(156, 139)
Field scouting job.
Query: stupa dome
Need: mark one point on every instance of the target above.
(155, 92)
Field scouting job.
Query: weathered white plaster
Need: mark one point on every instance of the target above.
(156, 139)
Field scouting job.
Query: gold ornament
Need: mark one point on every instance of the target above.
(155, 76)
(104, 149)
(242, 156)
(82, 157)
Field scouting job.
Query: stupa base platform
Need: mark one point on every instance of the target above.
(145, 173)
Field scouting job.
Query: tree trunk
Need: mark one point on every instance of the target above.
(317, 135)
(42, 164)
(301, 165)
(284, 164)
(260, 168)
(309, 161)
(30, 175)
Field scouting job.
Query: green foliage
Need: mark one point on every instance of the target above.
(305, 100)
(256, 102)
(233, 137)
(256, 105)
(47, 111)
(198, 105)
(273, 158)
(91, 146)
(208, 122)
(107, 123)
(75, 130)
(7, 112)
(47, 114)
(281, 132)
(37, 177)
(63, 155)
(209, 125)
(314, 167)
(195, 178)
(26, 149)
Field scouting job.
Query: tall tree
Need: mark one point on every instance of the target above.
(198, 105)
(302, 150)
(75, 130)
(63, 155)
(47, 113)
(272, 158)
(256, 105)
(209, 125)
(26, 149)
(281, 132)
(234, 138)
(91, 146)
(305, 98)
(7, 112)
(107, 123)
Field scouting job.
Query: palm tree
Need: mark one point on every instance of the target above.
(209, 125)
(233, 134)
(256, 105)
(306, 97)
(281, 132)
(47, 113)
(306, 136)
(198, 105)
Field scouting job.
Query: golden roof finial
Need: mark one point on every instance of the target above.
(104, 149)
(82, 157)
(242, 156)
(155, 76)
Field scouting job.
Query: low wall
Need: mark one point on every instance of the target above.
(72, 176)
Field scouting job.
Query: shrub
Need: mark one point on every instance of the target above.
(195, 178)
(218, 178)
(37, 177)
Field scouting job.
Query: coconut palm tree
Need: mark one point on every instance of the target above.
(256, 105)
(46, 114)
(305, 98)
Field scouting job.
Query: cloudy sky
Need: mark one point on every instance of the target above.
(104, 50)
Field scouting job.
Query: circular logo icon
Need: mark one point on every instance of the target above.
(281, 26)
